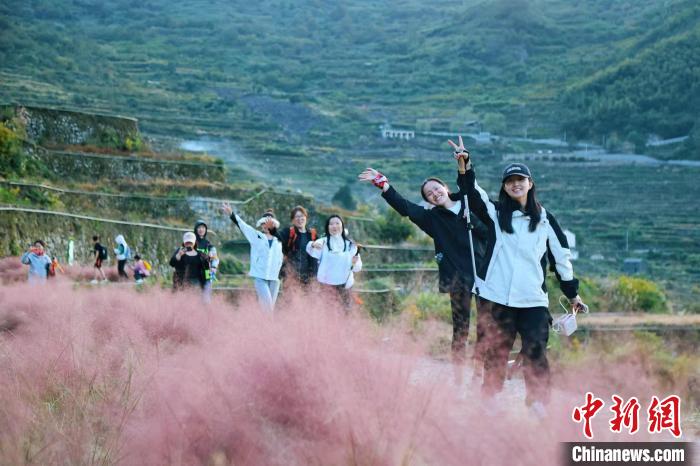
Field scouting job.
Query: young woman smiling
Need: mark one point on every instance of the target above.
(444, 221)
(523, 237)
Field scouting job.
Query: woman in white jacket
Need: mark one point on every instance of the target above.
(265, 255)
(338, 258)
(523, 238)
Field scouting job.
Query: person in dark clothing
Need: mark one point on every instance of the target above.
(202, 245)
(299, 265)
(100, 254)
(189, 264)
(446, 224)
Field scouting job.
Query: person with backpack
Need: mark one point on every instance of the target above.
(523, 238)
(338, 259)
(100, 254)
(203, 246)
(39, 262)
(445, 221)
(265, 255)
(190, 265)
(141, 268)
(299, 266)
(123, 253)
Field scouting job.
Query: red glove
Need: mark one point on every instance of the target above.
(380, 180)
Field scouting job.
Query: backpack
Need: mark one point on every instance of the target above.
(127, 252)
(51, 268)
(147, 265)
(293, 236)
(103, 253)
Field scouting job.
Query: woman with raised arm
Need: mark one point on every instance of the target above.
(447, 225)
(513, 293)
(265, 255)
(338, 259)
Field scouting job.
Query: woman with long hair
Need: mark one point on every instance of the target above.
(446, 223)
(338, 259)
(523, 237)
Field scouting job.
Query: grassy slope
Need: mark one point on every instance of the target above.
(188, 65)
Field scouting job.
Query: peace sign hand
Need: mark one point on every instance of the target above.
(460, 150)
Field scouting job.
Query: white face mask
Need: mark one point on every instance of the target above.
(566, 324)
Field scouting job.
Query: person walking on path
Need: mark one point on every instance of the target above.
(122, 253)
(100, 254)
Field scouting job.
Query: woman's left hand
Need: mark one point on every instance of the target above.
(460, 150)
(577, 304)
(354, 259)
(318, 244)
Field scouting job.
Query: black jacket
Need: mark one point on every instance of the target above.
(189, 270)
(450, 235)
(297, 261)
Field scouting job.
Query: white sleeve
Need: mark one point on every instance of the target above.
(561, 254)
(250, 233)
(315, 253)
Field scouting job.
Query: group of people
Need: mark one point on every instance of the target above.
(295, 253)
(497, 250)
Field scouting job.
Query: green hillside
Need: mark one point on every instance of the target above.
(655, 91)
(325, 73)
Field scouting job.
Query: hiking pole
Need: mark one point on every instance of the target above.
(470, 227)
(477, 359)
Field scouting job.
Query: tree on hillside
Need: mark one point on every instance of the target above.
(344, 198)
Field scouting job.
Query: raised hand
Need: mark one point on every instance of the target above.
(270, 224)
(226, 208)
(375, 177)
(368, 175)
(460, 150)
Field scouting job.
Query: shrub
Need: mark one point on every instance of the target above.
(393, 228)
(638, 294)
(380, 305)
(12, 160)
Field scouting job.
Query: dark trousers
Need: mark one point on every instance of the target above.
(460, 302)
(120, 268)
(501, 325)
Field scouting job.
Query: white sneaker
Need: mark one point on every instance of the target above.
(104, 282)
(93, 282)
(139, 281)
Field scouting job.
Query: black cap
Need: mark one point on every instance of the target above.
(516, 169)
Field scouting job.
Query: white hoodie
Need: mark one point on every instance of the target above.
(335, 265)
(121, 241)
(265, 258)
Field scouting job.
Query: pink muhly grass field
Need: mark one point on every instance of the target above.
(109, 375)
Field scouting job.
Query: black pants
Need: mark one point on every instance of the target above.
(460, 302)
(501, 324)
(120, 268)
